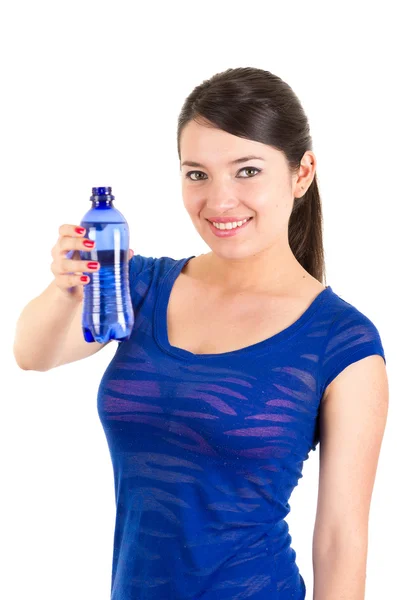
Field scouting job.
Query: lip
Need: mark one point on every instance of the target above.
(228, 232)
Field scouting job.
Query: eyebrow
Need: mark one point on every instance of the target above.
(191, 163)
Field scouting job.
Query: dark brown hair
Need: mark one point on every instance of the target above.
(257, 105)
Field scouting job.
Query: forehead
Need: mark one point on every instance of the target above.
(206, 144)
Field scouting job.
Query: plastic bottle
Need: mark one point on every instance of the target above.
(107, 307)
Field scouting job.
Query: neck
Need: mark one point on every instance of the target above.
(269, 271)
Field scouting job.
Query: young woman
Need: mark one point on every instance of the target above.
(241, 360)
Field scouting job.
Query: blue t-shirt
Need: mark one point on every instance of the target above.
(207, 449)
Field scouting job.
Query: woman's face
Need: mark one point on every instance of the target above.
(261, 188)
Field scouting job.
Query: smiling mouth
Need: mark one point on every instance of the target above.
(228, 219)
(223, 231)
(225, 223)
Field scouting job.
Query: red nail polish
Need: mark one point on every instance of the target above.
(88, 243)
(92, 265)
(79, 229)
(84, 278)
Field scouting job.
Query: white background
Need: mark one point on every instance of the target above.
(90, 96)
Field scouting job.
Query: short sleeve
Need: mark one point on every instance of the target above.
(352, 336)
(139, 263)
(140, 272)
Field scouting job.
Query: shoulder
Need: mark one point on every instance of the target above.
(351, 358)
(143, 271)
(350, 336)
(139, 263)
(147, 272)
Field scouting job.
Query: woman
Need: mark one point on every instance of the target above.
(240, 362)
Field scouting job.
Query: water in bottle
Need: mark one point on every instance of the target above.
(107, 307)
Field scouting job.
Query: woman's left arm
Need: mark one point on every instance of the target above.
(352, 418)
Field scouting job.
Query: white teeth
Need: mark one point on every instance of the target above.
(229, 225)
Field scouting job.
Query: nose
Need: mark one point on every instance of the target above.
(220, 197)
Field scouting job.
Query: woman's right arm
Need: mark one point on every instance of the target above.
(49, 331)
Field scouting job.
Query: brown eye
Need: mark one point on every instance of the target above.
(191, 172)
(250, 169)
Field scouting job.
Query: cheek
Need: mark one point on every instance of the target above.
(191, 200)
(272, 214)
(259, 203)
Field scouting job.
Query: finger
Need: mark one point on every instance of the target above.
(71, 230)
(70, 280)
(80, 266)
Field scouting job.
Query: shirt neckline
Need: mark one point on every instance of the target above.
(160, 329)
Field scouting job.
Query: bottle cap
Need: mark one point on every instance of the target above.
(104, 192)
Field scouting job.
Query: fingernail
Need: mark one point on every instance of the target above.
(79, 229)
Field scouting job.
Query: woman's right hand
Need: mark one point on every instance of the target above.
(67, 271)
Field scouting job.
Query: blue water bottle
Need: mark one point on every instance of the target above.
(107, 307)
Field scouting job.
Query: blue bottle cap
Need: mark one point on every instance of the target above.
(102, 191)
